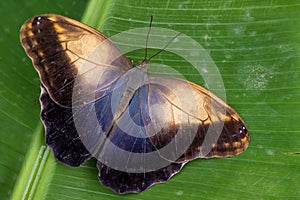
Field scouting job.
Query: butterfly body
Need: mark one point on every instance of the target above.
(142, 128)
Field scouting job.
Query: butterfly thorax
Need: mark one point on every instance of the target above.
(131, 81)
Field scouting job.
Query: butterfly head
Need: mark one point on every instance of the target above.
(143, 65)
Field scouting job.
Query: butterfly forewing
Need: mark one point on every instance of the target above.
(173, 117)
(68, 55)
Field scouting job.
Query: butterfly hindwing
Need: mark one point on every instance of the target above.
(61, 133)
(122, 182)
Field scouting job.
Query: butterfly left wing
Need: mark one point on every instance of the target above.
(69, 57)
(72, 59)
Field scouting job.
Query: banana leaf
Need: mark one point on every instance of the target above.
(254, 44)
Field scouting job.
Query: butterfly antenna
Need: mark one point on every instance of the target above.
(146, 49)
(164, 47)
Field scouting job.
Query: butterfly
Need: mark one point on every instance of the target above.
(141, 128)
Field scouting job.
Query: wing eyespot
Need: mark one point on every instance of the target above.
(243, 130)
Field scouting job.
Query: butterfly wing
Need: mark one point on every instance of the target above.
(203, 116)
(165, 123)
(166, 109)
(63, 52)
(71, 57)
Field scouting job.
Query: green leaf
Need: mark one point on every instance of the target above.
(256, 48)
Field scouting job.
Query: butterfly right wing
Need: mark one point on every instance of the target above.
(166, 122)
(171, 112)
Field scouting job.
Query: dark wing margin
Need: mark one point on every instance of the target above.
(123, 182)
(61, 134)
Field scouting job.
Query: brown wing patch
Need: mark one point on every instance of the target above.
(40, 38)
(59, 47)
(196, 110)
